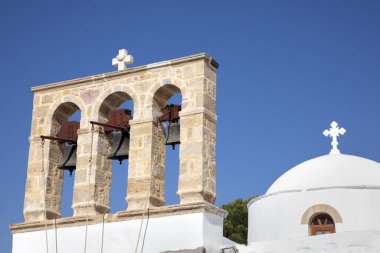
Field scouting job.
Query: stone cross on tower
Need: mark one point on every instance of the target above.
(122, 60)
(334, 132)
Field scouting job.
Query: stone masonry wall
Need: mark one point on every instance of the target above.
(149, 87)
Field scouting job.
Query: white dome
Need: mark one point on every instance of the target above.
(328, 171)
(344, 186)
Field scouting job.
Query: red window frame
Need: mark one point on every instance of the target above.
(322, 224)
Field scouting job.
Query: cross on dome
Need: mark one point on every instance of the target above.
(122, 60)
(334, 132)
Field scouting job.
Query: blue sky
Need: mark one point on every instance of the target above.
(288, 68)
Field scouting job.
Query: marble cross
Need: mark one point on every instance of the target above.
(122, 60)
(334, 132)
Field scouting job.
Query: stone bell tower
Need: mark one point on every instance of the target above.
(191, 225)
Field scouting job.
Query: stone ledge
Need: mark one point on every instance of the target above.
(154, 212)
(141, 121)
(200, 110)
(103, 77)
(197, 250)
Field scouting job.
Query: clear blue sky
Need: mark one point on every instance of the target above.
(288, 68)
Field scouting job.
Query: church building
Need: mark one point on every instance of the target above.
(327, 204)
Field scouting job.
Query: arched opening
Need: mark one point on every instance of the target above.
(68, 178)
(312, 211)
(322, 224)
(116, 110)
(62, 159)
(167, 101)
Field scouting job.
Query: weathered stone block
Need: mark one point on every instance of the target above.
(47, 99)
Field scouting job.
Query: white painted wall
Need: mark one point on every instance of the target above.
(278, 217)
(345, 242)
(188, 231)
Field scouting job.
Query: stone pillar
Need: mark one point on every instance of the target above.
(43, 190)
(197, 159)
(197, 179)
(94, 193)
(146, 170)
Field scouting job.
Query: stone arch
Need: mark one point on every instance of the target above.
(111, 99)
(164, 89)
(64, 108)
(59, 113)
(167, 89)
(179, 84)
(108, 101)
(161, 97)
(311, 212)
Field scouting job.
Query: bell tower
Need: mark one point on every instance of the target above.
(139, 137)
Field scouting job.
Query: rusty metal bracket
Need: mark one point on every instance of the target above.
(107, 125)
(170, 113)
(117, 120)
(67, 133)
(58, 139)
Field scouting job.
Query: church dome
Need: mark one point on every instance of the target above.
(334, 193)
(329, 171)
(345, 188)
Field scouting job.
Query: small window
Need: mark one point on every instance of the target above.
(322, 224)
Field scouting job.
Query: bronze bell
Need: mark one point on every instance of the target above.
(173, 134)
(69, 159)
(120, 146)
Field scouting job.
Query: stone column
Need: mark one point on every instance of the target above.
(197, 179)
(43, 189)
(92, 190)
(197, 159)
(146, 170)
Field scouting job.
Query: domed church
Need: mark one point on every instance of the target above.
(327, 204)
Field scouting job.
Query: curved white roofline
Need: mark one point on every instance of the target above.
(329, 171)
(359, 187)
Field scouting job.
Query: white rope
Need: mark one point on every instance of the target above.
(101, 135)
(44, 191)
(143, 217)
(102, 245)
(56, 237)
(147, 203)
(146, 229)
(88, 190)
